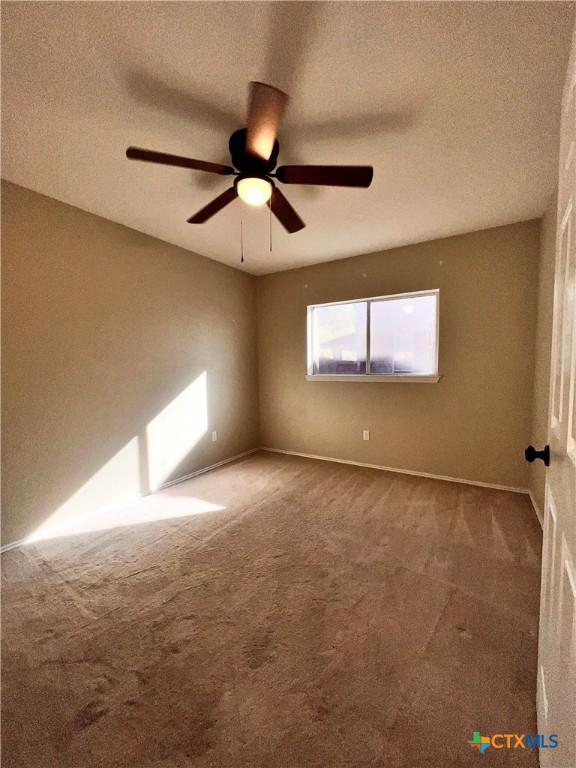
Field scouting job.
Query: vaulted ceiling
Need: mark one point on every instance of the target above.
(456, 105)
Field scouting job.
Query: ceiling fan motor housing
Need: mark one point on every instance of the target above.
(247, 163)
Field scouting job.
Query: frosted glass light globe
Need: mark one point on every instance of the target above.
(254, 191)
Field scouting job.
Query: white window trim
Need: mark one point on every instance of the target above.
(391, 378)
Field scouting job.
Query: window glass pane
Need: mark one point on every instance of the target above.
(403, 335)
(339, 339)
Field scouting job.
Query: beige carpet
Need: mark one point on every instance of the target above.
(323, 615)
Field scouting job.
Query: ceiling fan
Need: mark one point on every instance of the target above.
(254, 153)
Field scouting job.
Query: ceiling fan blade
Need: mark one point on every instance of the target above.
(284, 212)
(329, 175)
(149, 156)
(216, 205)
(266, 107)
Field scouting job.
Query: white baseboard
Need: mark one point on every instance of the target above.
(12, 545)
(177, 481)
(401, 471)
(197, 472)
(537, 509)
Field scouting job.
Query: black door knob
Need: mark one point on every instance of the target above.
(531, 454)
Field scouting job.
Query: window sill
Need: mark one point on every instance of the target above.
(394, 379)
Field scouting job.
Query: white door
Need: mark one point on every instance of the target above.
(557, 641)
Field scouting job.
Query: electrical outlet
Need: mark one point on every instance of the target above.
(214, 436)
(366, 434)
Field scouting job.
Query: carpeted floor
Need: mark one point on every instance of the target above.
(323, 615)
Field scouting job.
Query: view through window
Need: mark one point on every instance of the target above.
(382, 336)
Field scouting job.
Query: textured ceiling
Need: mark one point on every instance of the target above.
(454, 104)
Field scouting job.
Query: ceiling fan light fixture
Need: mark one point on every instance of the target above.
(253, 190)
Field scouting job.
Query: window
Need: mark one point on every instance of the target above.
(388, 338)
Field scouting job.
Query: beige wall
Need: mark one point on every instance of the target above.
(103, 327)
(473, 424)
(543, 347)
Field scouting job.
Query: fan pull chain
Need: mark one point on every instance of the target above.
(270, 223)
(241, 240)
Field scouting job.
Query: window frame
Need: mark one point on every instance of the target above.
(416, 378)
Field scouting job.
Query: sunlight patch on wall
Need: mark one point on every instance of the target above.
(173, 433)
(112, 496)
(119, 477)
